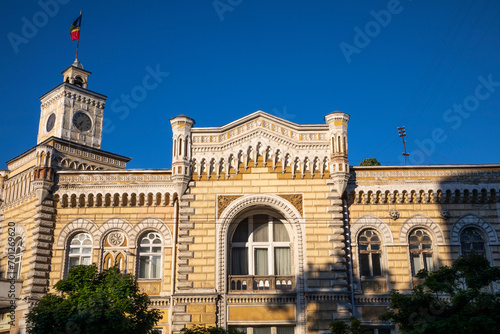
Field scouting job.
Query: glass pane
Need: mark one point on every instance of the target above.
(282, 261)
(156, 250)
(364, 263)
(262, 330)
(280, 232)
(156, 266)
(74, 261)
(428, 262)
(415, 264)
(144, 249)
(285, 330)
(86, 250)
(375, 246)
(241, 233)
(377, 267)
(85, 261)
(261, 261)
(363, 247)
(74, 250)
(144, 267)
(240, 261)
(260, 231)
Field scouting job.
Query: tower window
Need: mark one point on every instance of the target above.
(78, 81)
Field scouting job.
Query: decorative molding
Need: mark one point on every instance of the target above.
(421, 221)
(472, 221)
(76, 226)
(296, 200)
(223, 201)
(394, 214)
(370, 221)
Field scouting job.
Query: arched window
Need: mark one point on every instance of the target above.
(420, 251)
(370, 254)
(260, 245)
(80, 250)
(18, 259)
(150, 254)
(471, 241)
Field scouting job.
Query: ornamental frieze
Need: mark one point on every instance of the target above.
(223, 201)
(295, 200)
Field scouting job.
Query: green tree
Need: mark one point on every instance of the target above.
(370, 162)
(342, 327)
(90, 302)
(450, 300)
(209, 330)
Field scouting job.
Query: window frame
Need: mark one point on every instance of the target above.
(370, 253)
(18, 257)
(80, 255)
(479, 232)
(270, 245)
(150, 256)
(420, 250)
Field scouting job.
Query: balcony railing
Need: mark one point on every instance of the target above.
(253, 284)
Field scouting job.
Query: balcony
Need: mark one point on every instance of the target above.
(256, 284)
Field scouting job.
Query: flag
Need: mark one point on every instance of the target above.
(75, 28)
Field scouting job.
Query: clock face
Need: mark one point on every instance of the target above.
(51, 122)
(82, 121)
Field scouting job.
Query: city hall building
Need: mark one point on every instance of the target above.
(259, 224)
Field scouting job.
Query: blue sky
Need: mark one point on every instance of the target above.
(432, 66)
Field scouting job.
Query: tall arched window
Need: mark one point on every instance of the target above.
(260, 245)
(420, 251)
(18, 258)
(80, 250)
(370, 254)
(150, 255)
(471, 241)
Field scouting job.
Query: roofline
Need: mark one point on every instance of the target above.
(121, 157)
(82, 90)
(255, 115)
(133, 171)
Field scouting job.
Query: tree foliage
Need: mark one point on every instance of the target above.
(90, 302)
(342, 327)
(209, 330)
(450, 300)
(370, 162)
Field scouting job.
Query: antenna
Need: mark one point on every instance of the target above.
(402, 134)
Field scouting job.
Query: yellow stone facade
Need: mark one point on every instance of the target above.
(260, 224)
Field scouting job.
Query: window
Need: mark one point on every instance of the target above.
(420, 251)
(370, 254)
(150, 252)
(471, 241)
(261, 246)
(80, 250)
(18, 259)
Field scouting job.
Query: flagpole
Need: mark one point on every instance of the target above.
(78, 42)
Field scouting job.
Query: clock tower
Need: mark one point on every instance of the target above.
(72, 112)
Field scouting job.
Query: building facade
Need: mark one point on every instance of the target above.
(260, 224)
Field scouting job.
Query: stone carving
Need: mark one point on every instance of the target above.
(394, 214)
(295, 199)
(445, 214)
(374, 287)
(223, 202)
(116, 239)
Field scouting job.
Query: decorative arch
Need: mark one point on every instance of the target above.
(421, 221)
(370, 221)
(20, 231)
(113, 224)
(249, 202)
(78, 225)
(472, 221)
(244, 205)
(152, 224)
